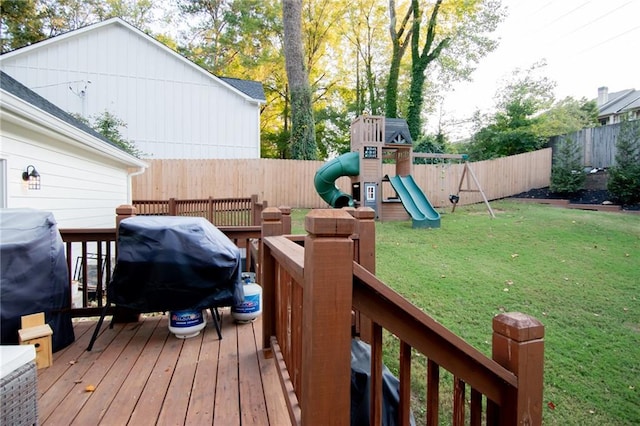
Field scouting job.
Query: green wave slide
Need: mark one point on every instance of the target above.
(415, 202)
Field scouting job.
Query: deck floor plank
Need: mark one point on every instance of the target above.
(174, 409)
(125, 401)
(154, 393)
(109, 386)
(253, 408)
(105, 360)
(144, 375)
(200, 409)
(227, 402)
(51, 400)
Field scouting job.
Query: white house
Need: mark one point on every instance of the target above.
(51, 161)
(172, 107)
(613, 106)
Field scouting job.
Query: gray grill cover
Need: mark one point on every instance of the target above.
(174, 263)
(33, 274)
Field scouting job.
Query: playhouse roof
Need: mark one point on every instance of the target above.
(396, 130)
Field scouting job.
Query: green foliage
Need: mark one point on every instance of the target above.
(108, 125)
(567, 175)
(624, 177)
(567, 116)
(21, 24)
(430, 144)
(514, 128)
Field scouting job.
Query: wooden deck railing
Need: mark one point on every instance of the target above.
(219, 211)
(91, 255)
(310, 293)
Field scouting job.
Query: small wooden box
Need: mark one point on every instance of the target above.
(35, 332)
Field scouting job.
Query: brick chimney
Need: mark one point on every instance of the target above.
(603, 95)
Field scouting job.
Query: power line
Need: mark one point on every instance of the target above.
(610, 39)
(595, 20)
(566, 14)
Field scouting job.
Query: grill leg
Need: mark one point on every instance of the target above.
(97, 329)
(215, 314)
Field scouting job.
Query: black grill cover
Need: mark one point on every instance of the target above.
(174, 263)
(33, 275)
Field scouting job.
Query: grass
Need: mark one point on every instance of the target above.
(577, 271)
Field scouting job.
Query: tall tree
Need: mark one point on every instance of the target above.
(363, 32)
(400, 36)
(20, 25)
(452, 35)
(303, 141)
(420, 59)
(514, 127)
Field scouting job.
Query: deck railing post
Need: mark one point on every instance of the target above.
(286, 219)
(365, 255)
(326, 318)
(210, 217)
(271, 226)
(124, 211)
(256, 214)
(518, 345)
(173, 211)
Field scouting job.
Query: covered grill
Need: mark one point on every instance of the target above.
(170, 263)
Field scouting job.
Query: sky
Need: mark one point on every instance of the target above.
(586, 44)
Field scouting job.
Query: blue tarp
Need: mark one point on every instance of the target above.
(33, 275)
(174, 263)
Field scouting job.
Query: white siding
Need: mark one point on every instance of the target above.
(80, 189)
(172, 108)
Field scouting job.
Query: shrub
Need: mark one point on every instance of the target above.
(567, 173)
(624, 177)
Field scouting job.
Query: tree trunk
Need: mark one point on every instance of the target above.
(419, 63)
(303, 140)
(399, 44)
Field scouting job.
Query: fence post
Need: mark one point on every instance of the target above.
(172, 207)
(286, 219)
(271, 226)
(326, 318)
(518, 345)
(365, 255)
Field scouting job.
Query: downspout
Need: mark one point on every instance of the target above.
(138, 172)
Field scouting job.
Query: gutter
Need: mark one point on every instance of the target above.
(138, 172)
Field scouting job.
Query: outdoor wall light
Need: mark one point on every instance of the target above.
(31, 176)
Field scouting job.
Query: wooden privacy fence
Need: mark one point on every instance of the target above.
(315, 295)
(290, 182)
(597, 145)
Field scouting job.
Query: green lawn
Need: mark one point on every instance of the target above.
(577, 271)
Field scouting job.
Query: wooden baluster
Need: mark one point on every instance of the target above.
(326, 318)
(405, 384)
(433, 393)
(458, 402)
(518, 345)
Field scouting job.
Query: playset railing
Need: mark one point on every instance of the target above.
(316, 297)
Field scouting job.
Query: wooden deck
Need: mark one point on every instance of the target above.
(144, 375)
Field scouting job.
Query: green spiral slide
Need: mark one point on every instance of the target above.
(345, 165)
